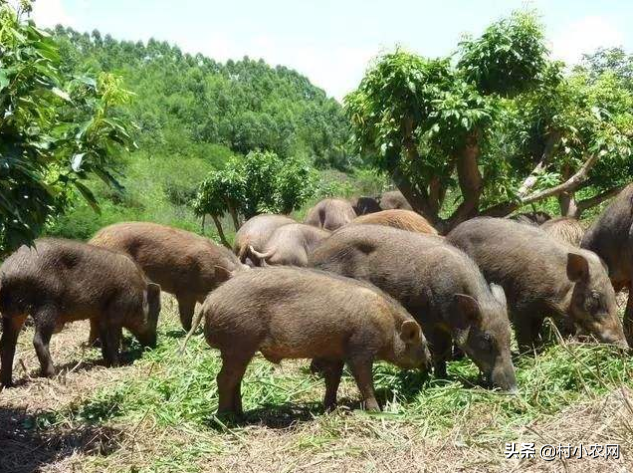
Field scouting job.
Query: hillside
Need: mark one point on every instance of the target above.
(192, 114)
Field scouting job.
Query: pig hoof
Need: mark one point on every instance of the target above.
(49, 373)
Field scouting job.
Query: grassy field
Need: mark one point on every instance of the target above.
(156, 413)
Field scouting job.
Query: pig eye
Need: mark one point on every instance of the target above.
(594, 302)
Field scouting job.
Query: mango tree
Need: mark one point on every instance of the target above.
(500, 127)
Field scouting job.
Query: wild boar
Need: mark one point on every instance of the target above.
(437, 283)
(531, 218)
(610, 237)
(255, 232)
(299, 313)
(289, 245)
(60, 281)
(394, 200)
(399, 218)
(541, 277)
(330, 214)
(564, 229)
(182, 263)
(365, 205)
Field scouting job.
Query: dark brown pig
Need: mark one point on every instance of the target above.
(255, 232)
(437, 283)
(564, 229)
(300, 313)
(541, 277)
(394, 200)
(610, 237)
(183, 263)
(60, 281)
(330, 214)
(531, 218)
(365, 205)
(399, 218)
(289, 245)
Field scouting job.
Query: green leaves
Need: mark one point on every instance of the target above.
(508, 58)
(55, 130)
(259, 182)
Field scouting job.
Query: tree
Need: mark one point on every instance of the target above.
(54, 130)
(476, 129)
(260, 182)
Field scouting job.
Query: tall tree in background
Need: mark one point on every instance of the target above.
(54, 130)
(501, 129)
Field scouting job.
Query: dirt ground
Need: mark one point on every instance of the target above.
(338, 442)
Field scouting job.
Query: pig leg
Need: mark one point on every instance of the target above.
(111, 353)
(93, 338)
(332, 375)
(110, 341)
(361, 368)
(527, 332)
(10, 330)
(186, 306)
(627, 317)
(441, 345)
(229, 379)
(45, 321)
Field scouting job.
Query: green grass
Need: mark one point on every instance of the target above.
(180, 390)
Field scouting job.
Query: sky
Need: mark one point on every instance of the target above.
(333, 41)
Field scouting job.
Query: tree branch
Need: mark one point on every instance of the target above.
(597, 199)
(571, 184)
(544, 161)
(221, 233)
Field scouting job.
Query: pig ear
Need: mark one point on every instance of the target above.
(222, 272)
(498, 293)
(468, 306)
(577, 268)
(410, 331)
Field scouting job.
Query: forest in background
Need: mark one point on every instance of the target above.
(193, 114)
(98, 130)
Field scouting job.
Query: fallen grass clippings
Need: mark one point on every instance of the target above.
(158, 414)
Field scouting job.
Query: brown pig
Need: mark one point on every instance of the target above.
(330, 214)
(541, 277)
(60, 281)
(438, 284)
(564, 229)
(365, 205)
(183, 263)
(289, 245)
(610, 237)
(399, 218)
(255, 232)
(300, 313)
(394, 200)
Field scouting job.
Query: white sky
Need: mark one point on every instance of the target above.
(332, 41)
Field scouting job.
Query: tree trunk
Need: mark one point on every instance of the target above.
(470, 181)
(567, 202)
(234, 216)
(221, 233)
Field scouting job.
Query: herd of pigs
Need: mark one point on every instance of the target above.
(358, 281)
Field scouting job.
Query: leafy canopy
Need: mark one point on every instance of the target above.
(259, 182)
(55, 129)
(500, 127)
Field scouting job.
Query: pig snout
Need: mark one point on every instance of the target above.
(503, 377)
(609, 332)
